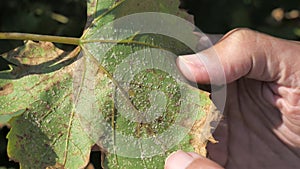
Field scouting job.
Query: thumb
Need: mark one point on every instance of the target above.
(180, 160)
(241, 52)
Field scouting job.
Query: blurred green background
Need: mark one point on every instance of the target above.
(280, 18)
(50, 17)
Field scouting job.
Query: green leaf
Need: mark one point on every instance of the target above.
(48, 134)
(124, 92)
(45, 130)
(130, 95)
(97, 8)
(37, 60)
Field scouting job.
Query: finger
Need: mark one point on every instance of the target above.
(287, 101)
(292, 95)
(241, 52)
(183, 160)
(291, 112)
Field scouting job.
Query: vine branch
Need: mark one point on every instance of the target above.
(36, 37)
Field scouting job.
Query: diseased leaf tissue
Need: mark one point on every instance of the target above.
(122, 93)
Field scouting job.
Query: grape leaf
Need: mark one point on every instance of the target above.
(36, 97)
(37, 60)
(129, 94)
(48, 133)
(123, 93)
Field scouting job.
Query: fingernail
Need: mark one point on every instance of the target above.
(178, 160)
(190, 66)
(185, 67)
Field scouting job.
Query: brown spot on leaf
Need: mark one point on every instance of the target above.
(6, 89)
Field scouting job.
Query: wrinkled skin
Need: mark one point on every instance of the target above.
(261, 125)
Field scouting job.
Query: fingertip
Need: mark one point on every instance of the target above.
(178, 160)
(190, 160)
(193, 68)
(203, 163)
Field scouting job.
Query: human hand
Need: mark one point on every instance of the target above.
(261, 124)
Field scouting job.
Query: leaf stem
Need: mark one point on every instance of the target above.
(36, 37)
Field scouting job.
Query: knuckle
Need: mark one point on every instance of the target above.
(241, 34)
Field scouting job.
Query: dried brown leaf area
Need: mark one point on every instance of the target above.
(203, 128)
(38, 58)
